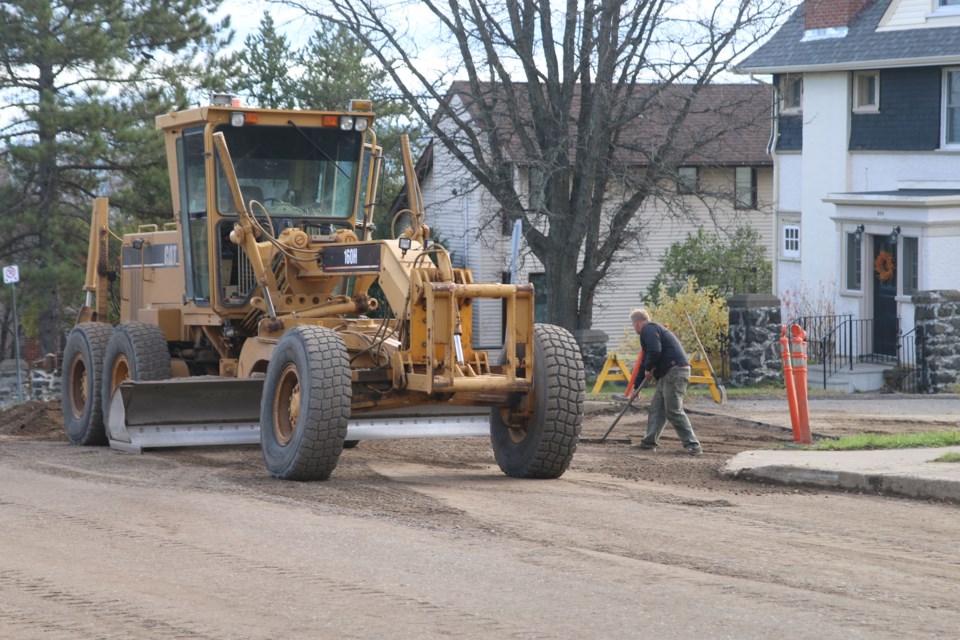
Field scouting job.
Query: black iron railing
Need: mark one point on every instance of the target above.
(910, 374)
(840, 341)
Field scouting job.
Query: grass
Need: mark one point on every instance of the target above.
(949, 457)
(893, 441)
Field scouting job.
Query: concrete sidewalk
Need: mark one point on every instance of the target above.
(904, 472)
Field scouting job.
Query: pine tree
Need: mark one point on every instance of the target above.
(75, 78)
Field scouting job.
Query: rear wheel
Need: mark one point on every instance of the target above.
(80, 383)
(136, 351)
(542, 445)
(306, 404)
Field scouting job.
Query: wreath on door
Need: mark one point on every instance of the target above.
(883, 265)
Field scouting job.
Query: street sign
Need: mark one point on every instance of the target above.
(11, 274)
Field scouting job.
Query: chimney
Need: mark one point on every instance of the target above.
(831, 14)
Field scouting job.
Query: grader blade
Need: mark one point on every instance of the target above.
(184, 412)
(193, 412)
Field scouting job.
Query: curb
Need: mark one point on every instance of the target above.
(893, 484)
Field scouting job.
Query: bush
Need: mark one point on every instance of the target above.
(736, 267)
(706, 309)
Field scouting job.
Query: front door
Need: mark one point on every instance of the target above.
(884, 296)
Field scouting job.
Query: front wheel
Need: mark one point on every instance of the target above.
(306, 404)
(542, 445)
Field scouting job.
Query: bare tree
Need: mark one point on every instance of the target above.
(599, 99)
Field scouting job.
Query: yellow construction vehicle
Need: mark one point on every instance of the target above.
(249, 318)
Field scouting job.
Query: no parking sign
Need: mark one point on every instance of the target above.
(11, 274)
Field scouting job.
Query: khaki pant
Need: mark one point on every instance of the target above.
(667, 404)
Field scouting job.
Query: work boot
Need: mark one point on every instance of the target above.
(693, 449)
(646, 447)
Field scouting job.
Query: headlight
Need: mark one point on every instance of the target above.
(237, 119)
(346, 123)
(360, 124)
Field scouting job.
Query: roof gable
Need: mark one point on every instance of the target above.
(728, 124)
(794, 48)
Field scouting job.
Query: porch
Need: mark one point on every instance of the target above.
(863, 354)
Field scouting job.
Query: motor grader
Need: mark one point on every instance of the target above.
(250, 317)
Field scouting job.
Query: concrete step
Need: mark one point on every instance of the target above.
(863, 377)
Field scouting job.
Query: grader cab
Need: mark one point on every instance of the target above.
(250, 317)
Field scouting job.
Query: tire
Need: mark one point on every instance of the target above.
(80, 381)
(350, 444)
(543, 445)
(136, 351)
(306, 404)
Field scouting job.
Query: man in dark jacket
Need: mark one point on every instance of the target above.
(665, 361)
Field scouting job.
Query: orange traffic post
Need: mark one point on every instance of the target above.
(788, 381)
(633, 374)
(798, 353)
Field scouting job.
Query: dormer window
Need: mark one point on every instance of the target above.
(946, 8)
(791, 93)
(866, 91)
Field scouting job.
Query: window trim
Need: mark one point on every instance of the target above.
(910, 270)
(858, 106)
(683, 187)
(787, 83)
(858, 290)
(944, 115)
(753, 204)
(785, 253)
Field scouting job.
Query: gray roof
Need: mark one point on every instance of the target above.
(863, 47)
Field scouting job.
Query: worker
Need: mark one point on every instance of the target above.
(665, 361)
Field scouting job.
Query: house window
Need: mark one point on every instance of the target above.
(790, 243)
(854, 261)
(688, 180)
(791, 93)
(745, 188)
(910, 266)
(507, 220)
(951, 107)
(539, 282)
(866, 91)
(948, 3)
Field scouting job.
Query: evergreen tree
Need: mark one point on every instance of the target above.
(261, 71)
(736, 266)
(75, 80)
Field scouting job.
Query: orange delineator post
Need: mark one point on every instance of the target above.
(798, 353)
(633, 374)
(788, 380)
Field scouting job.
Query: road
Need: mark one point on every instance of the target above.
(427, 539)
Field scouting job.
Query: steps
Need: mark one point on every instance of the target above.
(863, 377)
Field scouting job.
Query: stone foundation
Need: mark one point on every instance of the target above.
(937, 319)
(755, 340)
(593, 349)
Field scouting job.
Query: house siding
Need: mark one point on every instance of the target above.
(790, 133)
(909, 115)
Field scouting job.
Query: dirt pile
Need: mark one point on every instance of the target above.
(33, 419)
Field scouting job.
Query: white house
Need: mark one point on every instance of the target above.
(737, 165)
(866, 158)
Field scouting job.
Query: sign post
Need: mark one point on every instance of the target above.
(11, 276)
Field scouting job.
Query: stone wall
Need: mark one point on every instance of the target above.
(36, 384)
(937, 318)
(593, 349)
(755, 340)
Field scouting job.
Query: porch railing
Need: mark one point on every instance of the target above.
(840, 341)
